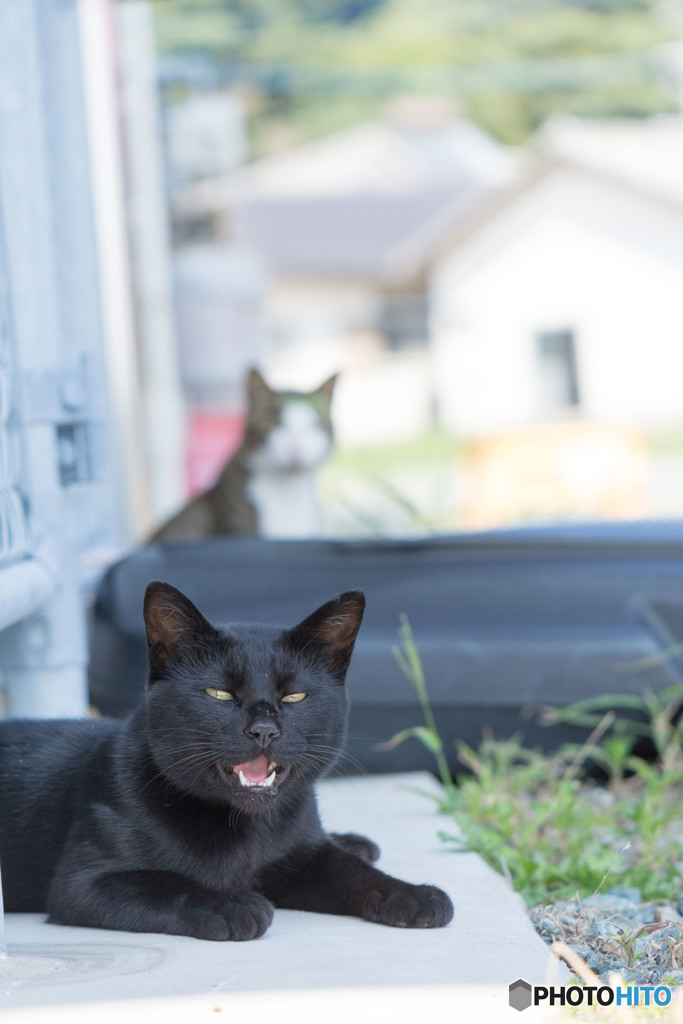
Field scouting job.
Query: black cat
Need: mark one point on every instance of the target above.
(197, 815)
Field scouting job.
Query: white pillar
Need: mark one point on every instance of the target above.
(163, 404)
(99, 55)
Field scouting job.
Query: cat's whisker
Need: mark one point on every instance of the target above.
(342, 756)
(190, 761)
(234, 816)
(320, 766)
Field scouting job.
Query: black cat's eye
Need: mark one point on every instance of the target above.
(218, 694)
(293, 698)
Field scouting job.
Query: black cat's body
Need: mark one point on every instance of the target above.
(197, 815)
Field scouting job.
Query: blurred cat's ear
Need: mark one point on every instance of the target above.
(260, 398)
(171, 621)
(331, 631)
(326, 390)
(256, 385)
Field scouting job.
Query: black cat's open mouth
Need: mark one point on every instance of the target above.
(260, 775)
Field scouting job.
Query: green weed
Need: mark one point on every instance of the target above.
(538, 819)
(411, 664)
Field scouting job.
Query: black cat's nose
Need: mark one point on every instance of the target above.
(263, 732)
(263, 726)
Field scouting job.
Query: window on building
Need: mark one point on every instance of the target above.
(557, 370)
(404, 322)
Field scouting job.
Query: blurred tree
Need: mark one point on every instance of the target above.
(319, 65)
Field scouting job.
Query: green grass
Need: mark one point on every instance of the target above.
(666, 442)
(555, 836)
(381, 488)
(433, 446)
(538, 819)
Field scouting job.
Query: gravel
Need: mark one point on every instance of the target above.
(617, 931)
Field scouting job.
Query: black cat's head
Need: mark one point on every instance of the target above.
(245, 714)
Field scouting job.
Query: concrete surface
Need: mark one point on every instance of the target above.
(306, 966)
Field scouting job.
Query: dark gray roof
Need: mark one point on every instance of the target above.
(356, 235)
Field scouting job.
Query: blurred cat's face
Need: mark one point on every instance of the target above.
(300, 440)
(288, 431)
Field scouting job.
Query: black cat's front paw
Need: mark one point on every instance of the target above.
(409, 906)
(359, 846)
(235, 919)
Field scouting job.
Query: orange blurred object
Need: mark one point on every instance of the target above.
(556, 472)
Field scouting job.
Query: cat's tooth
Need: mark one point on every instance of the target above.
(268, 781)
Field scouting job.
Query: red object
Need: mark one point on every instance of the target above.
(211, 440)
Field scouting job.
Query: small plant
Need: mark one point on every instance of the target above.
(409, 660)
(654, 716)
(537, 819)
(627, 940)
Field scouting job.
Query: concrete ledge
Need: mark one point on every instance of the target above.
(327, 965)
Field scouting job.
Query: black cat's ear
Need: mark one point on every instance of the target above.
(171, 621)
(331, 630)
(326, 390)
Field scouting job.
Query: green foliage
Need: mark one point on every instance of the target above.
(626, 941)
(555, 837)
(409, 481)
(552, 832)
(410, 663)
(318, 65)
(526, 811)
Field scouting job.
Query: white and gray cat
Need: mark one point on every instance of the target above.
(268, 486)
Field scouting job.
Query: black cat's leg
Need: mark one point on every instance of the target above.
(157, 901)
(334, 881)
(361, 846)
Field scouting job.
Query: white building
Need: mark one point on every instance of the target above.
(346, 227)
(566, 296)
(441, 270)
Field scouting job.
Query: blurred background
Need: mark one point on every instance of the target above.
(473, 212)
